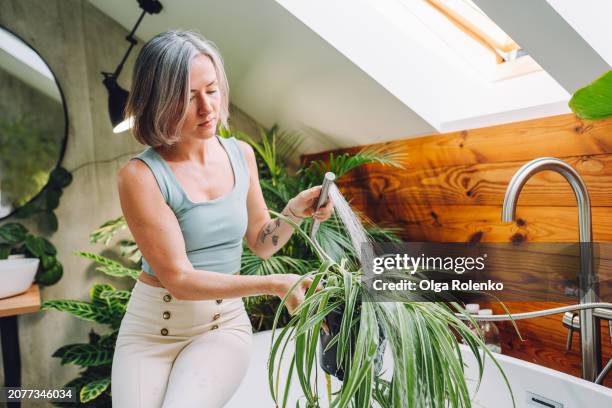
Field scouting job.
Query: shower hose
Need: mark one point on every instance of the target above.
(538, 313)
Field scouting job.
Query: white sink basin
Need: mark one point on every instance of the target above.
(17, 275)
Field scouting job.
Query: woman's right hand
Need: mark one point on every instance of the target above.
(284, 282)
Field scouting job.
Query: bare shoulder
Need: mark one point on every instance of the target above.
(134, 174)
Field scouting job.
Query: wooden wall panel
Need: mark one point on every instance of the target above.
(478, 184)
(451, 189)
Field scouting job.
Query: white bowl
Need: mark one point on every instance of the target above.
(17, 275)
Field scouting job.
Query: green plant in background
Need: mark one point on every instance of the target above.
(427, 370)
(28, 155)
(15, 239)
(28, 169)
(275, 149)
(48, 200)
(106, 307)
(594, 101)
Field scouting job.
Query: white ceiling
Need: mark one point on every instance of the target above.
(343, 73)
(280, 71)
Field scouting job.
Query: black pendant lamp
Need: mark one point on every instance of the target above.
(117, 96)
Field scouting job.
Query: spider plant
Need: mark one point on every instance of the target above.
(274, 151)
(428, 369)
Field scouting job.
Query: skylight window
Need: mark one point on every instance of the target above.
(466, 31)
(469, 18)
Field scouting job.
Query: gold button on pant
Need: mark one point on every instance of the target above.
(219, 301)
(216, 316)
(214, 327)
(167, 297)
(166, 315)
(186, 365)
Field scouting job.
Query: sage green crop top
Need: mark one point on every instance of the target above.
(213, 229)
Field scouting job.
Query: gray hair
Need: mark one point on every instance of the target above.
(160, 85)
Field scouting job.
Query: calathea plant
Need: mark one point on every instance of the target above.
(106, 306)
(15, 239)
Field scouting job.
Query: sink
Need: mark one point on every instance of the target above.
(17, 275)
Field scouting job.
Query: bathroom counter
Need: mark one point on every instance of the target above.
(27, 302)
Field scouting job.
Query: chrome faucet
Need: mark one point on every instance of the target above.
(589, 324)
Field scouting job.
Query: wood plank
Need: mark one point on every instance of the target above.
(468, 223)
(26, 302)
(556, 136)
(477, 184)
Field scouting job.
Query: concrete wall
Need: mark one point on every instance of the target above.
(78, 41)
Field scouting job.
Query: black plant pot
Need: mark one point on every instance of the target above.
(328, 359)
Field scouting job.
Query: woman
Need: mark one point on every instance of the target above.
(189, 200)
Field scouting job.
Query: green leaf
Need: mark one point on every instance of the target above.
(108, 230)
(48, 277)
(115, 294)
(13, 233)
(110, 267)
(48, 261)
(60, 178)
(86, 355)
(594, 101)
(92, 390)
(343, 163)
(254, 265)
(80, 309)
(47, 247)
(35, 245)
(96, 290)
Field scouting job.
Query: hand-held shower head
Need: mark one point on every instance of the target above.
(328, 179)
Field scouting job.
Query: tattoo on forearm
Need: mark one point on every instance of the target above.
(270, 229)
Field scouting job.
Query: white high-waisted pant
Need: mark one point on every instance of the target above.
(179, 353)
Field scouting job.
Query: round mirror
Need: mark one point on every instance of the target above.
(33, 123)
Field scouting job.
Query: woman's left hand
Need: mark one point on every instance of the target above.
(302, 205)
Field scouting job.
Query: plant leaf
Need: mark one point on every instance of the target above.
(80, 309)
(86, 355)
(93, 389)
(50, 276)
(110, 267)
(35, 245)
(594, 101)
(13, 233)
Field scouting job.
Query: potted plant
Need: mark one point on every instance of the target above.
(274, 150)
(26, 258)
(106, 307)
(423, 338)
